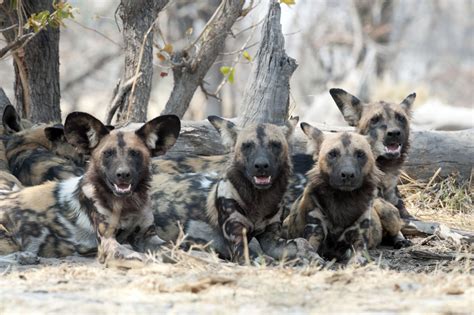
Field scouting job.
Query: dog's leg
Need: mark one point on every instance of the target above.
(110, 252)
(145, 237)
(278, 248)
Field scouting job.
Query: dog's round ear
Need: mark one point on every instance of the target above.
(289, 127)
(84, 131)
(11, 120)
(315, 138)
(407, 103)
(55, 133)
(160, 134)
(227, 130)
(349, 106)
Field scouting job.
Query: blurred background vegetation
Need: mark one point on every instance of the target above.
(375, 49)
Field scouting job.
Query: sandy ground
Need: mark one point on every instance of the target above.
(396, 281)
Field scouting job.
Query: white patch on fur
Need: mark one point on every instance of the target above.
(151, 140)
(82, 229)
(206, 183)
(92, 136)
(227, 190)
(67, 188)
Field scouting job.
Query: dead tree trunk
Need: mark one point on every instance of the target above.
(36, 65)
(4, 101)
(267, 93)
(192, 64)
(138, 18)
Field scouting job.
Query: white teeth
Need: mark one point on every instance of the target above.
(393, 150)
(262, 180)
(123, 190)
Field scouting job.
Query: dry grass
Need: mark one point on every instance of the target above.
(448, 200)
(433, 276)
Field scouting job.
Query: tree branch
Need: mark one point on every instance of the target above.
(119, 97)
(192, 64)
(17, 43)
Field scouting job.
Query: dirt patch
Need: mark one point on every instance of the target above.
(396, 281)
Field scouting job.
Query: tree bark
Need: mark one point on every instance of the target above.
(266, 97)
(36, 66)
(192, 64)
(138, 17)
(4, 100)
(430, 150)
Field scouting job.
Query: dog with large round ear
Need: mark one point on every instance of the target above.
(84, 131)
(160, 133)
(12, 121)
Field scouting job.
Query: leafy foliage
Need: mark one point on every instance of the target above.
(40, 20)
(228, 72)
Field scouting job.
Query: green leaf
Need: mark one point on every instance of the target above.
(228, 72)
(231, 75)
(225, 70)
(246, 55)
(288, 2)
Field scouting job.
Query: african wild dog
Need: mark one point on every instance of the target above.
(11, 124)
(107, 206)
(245, 202)
(387, 124)
(41, 153)
(338, 210)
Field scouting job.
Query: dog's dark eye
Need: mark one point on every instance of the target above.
(360, 154)
(247, 146)
(375, 120)
(400, 118)
(108, 153)
(333, 154)
(276, 146)
(134, 153)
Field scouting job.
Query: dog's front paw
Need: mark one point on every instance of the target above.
(306, 252)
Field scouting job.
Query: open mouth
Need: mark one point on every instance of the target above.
(123, 189)
(393, 149)
(262, 180)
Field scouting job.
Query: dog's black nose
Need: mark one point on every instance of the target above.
(394, 133)
(123, 173)
(347, 174)
(261, 164)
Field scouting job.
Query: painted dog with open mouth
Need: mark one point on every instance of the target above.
(99, 211)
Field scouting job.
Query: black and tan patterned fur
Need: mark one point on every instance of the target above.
(37, 153)
(243, 203)
(99, 211)
(388, 126)
(11, 123)
(338, 212)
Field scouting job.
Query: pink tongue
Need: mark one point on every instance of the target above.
(393, 147)
(262, 180)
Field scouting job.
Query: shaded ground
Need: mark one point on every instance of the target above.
(398, 281)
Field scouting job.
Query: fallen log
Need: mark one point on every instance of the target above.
(452, 151)
(426, 228)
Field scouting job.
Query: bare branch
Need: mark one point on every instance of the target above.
(17, 43)
(120, 96)
(192, 64)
